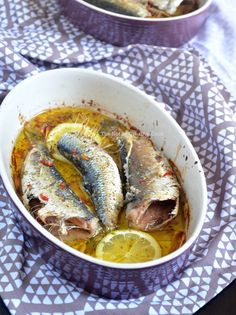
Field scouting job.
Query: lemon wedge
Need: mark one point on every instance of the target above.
(128, 246)
(56, 133)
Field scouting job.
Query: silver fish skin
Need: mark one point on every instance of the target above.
(49, 198)
(128, 7)
(100, 173)
(152, 190)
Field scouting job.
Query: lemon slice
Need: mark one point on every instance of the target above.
(56, 133)
(128, 246)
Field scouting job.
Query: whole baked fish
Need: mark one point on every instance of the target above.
(138, 8)
(128, 7)
(100, 173)
(49, 198)
(152, 189)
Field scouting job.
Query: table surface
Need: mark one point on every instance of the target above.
(223, 304)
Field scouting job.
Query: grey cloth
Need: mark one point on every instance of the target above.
(216, 41)
(34, 36)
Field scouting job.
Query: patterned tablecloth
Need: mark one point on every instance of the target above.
(34, 36)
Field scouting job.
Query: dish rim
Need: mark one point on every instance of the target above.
(17, 202)
(133, 18)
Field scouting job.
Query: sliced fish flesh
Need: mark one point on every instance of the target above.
(152, 190)
(100, 173)
(50, 199)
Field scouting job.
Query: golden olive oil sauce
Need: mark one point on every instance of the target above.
(170, 237)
